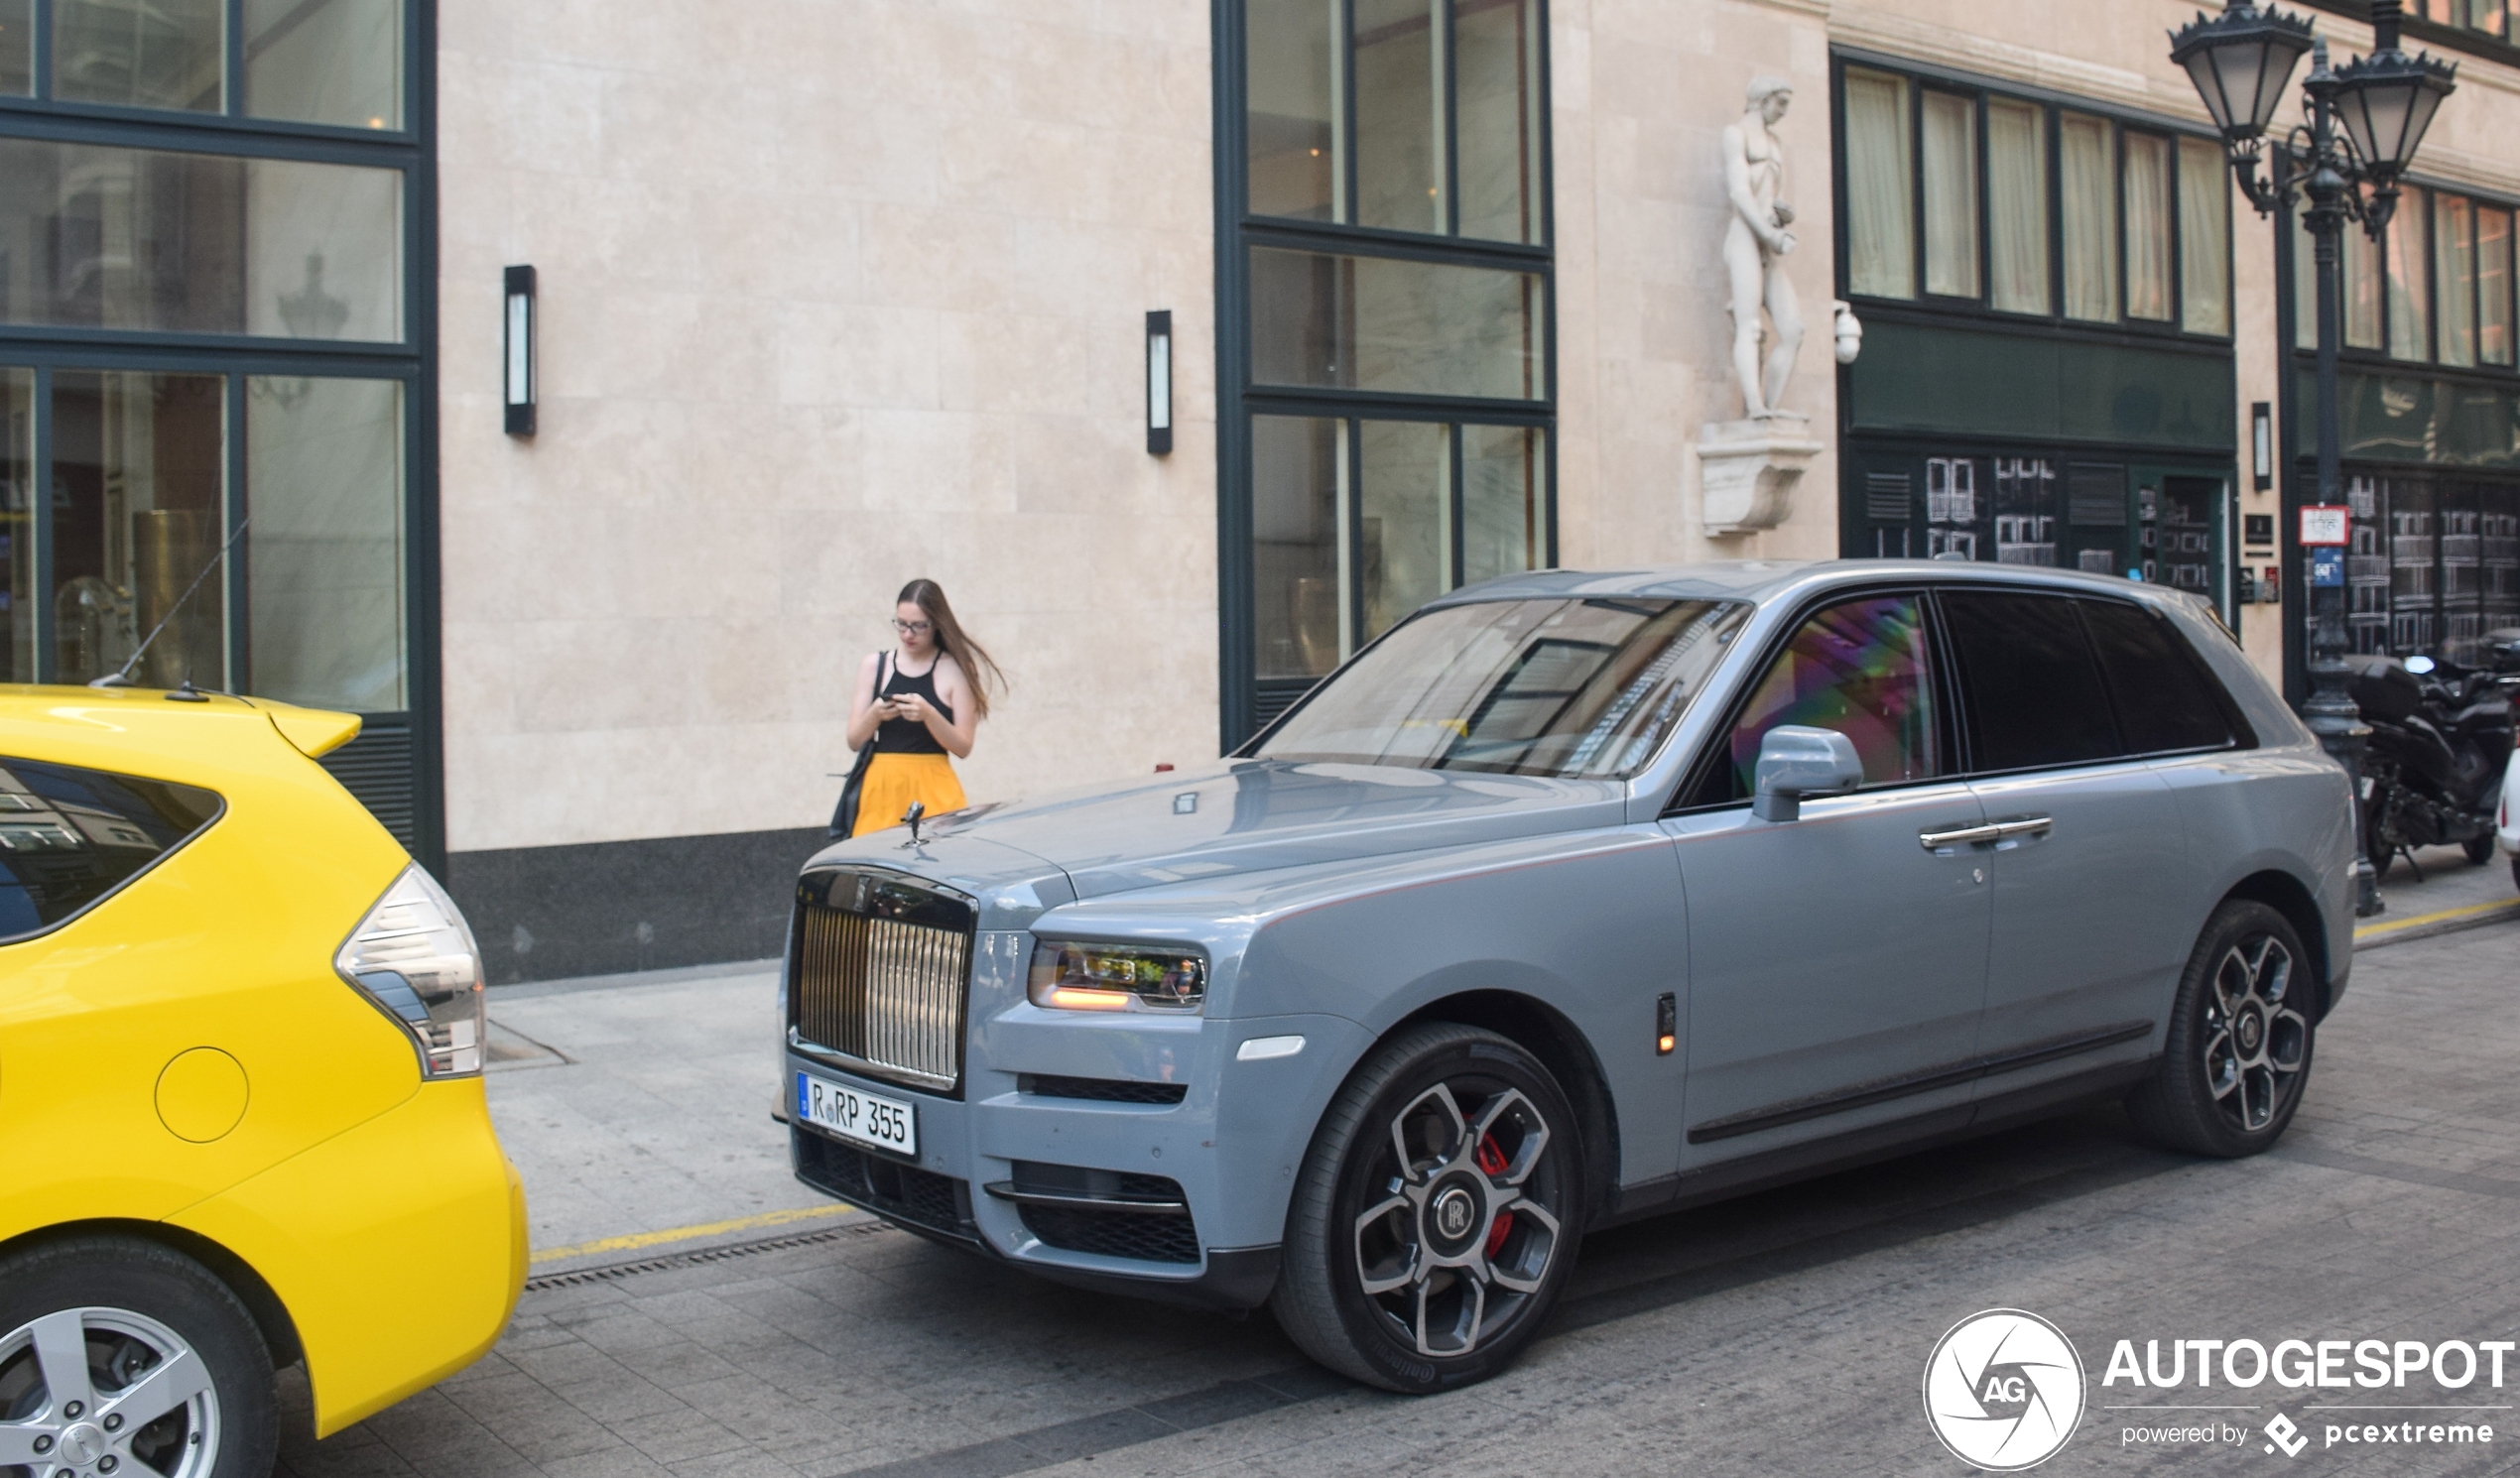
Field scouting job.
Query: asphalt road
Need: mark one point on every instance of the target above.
(1785, 1332)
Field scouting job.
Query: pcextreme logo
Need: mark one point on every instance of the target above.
(2004, 1390)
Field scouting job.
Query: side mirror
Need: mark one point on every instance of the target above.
(1795, 762)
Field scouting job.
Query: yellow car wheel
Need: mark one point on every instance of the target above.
(125, 1359)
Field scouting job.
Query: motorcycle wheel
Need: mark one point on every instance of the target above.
(2480, 850)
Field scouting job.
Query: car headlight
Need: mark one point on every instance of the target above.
(1074, 976)
(414, 956)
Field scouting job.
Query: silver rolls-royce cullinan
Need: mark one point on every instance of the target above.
(1575, 898)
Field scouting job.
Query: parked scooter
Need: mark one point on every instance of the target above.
(2441, 743)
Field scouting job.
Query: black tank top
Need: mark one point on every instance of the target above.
(907, 736)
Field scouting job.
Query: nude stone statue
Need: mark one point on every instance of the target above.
(1755, 245)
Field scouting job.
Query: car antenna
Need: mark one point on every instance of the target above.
(122, 678)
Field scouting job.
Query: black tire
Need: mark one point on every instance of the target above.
(2227, 1086)
(1508, 1146)
(139, 1306)
(2481, 849)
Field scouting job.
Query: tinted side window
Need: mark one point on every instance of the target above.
(2034, 690)
(1859, 668)
(2165, 699)
(69, 836)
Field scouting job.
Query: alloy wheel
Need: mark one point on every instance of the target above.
(1463, 1222)
(106, 1392)
(2255, 1042)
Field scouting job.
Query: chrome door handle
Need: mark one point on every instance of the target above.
(1934, 841)
(2025, 826)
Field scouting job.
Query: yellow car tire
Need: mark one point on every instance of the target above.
(191, 1392)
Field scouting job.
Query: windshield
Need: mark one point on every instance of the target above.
(1579, 689)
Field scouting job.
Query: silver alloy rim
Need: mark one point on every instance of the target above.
(1461, 1237)
(2256, 1043)
(105, 1392)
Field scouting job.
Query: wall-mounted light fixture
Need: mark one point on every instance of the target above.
(2262, 446)
(1159, 382)
(520, 351)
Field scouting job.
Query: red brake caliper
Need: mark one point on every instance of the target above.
(1491, 1160)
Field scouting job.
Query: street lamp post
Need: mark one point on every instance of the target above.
(2362, 124)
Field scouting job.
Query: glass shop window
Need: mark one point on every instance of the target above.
(332, 61)
(2090, 190)
(199, 243)
(140, 53)
(17, 48)
(1440, 135)
(2409, 304)
(1950, 194)
(2455, 273)
(1357, 522)
(17, 526)
(2017, 205)
(324, 618)
(1880, 192)
(2494, 334)
(2204, 238)
(139, 464)
(2146, 165)
(1382, 323)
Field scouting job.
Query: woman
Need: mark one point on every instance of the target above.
(917, 704)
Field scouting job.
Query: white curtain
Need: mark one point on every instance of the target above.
(2089, 191)
(1880, 195)
(1951, 196)
(2361, 278)
(2147, 227)
(2407, 305)
(2454, 268)
(2493, 286)
(2017, 205)
(2204, 239)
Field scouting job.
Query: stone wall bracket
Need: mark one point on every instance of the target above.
(1748, 470)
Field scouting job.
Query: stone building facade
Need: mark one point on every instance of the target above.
(831, 293)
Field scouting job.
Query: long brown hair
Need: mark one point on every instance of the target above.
(954, 640)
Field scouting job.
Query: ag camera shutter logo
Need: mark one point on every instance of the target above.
(2004, 1390)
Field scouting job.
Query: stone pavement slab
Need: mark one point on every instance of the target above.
(1786, 1331)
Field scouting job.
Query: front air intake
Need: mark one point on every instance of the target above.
(879, 973)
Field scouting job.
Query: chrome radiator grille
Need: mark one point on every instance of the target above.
(880, 974)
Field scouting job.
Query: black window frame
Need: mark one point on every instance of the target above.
(1923, 77)
(1245, 710)
(408, 794)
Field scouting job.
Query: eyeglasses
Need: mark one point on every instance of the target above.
(912, 628)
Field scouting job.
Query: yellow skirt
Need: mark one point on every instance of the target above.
(893, 782)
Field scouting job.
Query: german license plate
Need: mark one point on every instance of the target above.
(854, 1114)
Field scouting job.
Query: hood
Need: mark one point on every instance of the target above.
(1253, 815)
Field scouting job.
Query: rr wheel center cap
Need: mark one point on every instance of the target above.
(2250, 1030)
(1452, 1215)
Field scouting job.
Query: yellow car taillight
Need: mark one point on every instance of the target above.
(414, 956)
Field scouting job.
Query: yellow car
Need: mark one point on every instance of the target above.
(242, 1114)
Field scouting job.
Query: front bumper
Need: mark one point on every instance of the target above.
(1020, 1170)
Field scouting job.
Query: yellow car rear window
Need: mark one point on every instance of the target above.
(70, 835)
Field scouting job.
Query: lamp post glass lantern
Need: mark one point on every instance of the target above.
(2362, 125)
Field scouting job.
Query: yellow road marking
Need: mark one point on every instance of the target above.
(2469, 911)
(637, 1240)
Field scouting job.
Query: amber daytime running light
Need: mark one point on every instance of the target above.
(1117, 978)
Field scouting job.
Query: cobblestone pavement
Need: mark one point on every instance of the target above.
(1785, 1332)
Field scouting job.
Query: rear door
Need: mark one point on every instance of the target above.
(2090, 877)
